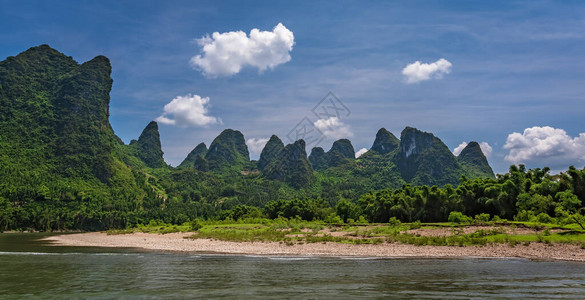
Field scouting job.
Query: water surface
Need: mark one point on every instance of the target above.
(29, 267)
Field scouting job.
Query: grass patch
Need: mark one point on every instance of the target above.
(292, 232)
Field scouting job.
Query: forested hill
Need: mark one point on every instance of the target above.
(62, 166)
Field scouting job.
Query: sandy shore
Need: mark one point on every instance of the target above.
(178, 242)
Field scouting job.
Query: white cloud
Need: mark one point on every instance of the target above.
(333, 128)
(459, 148)
(360, 152)
(418, 71)
(256, 144)
(189, 110)
(485, 148)
(227, 53)
(545, 146)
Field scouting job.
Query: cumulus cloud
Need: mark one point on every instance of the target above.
(418, 71)
(485, 148)
(333, 128)
(545, 146)
(360, 152)
(459, 148)
(256, 144)
(189, 110)
(225, 54)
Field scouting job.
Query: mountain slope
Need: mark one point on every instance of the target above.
(385, 142)
(474, 161)
(318, 159)
(291, 166)
(341, 153)
(148, 147)
(270, 151)
(59, 157)
(425, 159)
(199, 150)
(228, 151)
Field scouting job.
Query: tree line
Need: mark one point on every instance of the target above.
(520, 194)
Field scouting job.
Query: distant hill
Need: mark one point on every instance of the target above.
(228, 150)
(270, 152)
(148, 147)
(473, 160)
(199, 151)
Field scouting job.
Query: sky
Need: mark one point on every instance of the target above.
(507, 74)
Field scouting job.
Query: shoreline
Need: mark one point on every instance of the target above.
(178, 242)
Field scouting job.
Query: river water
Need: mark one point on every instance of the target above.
(31, 268)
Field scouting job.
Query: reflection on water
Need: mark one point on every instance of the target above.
(29, 267)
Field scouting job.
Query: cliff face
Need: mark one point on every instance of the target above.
(425, 159)
(56, 142)
(58, 109)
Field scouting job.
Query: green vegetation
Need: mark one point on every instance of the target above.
(148, 147)
(63, 168)
(291, 166)
(198, 152)
(228, 151)
(270, 152)
(474, 161)
(385, 142)
(296, 231)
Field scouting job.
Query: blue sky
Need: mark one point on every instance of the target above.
(515, 67)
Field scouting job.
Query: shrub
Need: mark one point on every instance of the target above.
(482, 218)
(415, 225)
(334, 219)
(195, 225)
(457, 217)
(524, 216)
(362, 220)
(545, 218)
(496, 218)
(394, 222)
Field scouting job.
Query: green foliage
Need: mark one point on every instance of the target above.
(241, 212)
(291, 166)
(62, 167)
(228, 151)
(341, 153)
(347, 210)
(201, 164)
(270, 152)
(482, 218)
(318, 159)
(195, 225)
(305, 209)
(474, 162)
(385, 142)
(459, 218)
(190, 161)
(148, 147)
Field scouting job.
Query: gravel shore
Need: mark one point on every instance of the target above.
(179, 242)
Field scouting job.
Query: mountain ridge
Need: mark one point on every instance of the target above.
(62, 165)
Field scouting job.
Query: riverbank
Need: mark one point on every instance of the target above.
(182, 243)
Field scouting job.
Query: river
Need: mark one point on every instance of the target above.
(30, 267)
